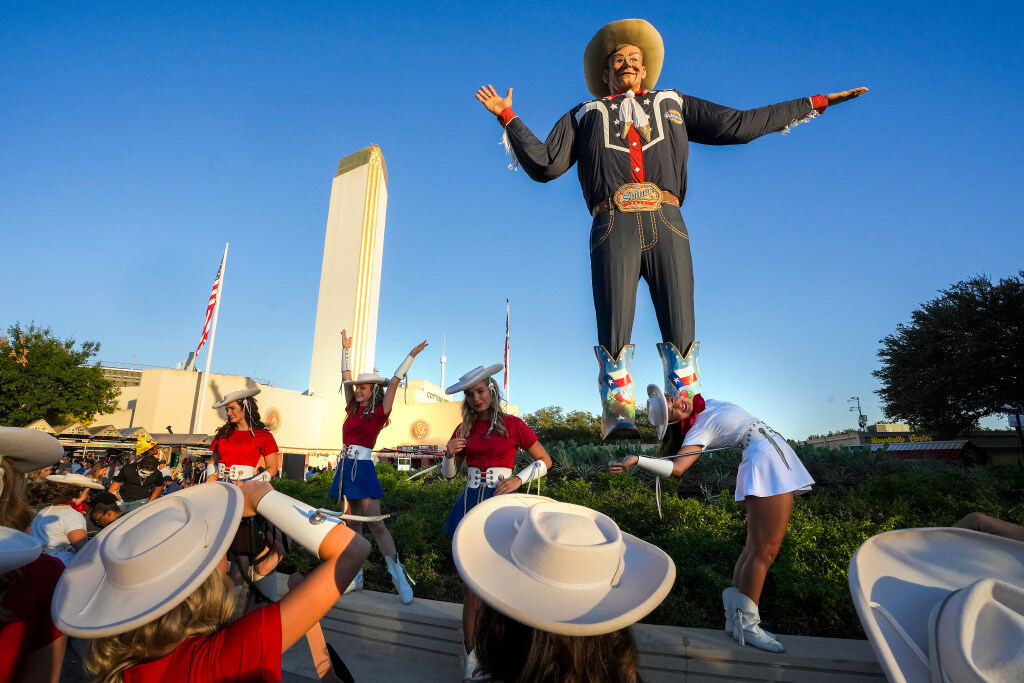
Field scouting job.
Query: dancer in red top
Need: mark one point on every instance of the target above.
(157, 605)
(355, 479)
(488, 440)
(32, 647)
(243, 439)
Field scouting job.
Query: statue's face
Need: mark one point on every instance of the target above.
(625, 69)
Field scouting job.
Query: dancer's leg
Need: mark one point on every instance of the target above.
(370, 507)
(470, 609)
(767, 519)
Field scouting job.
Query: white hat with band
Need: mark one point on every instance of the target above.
(474, 376)
(236, 396)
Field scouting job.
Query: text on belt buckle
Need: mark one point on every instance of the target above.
(635, 197)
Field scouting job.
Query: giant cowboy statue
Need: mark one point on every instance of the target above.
(631, 143)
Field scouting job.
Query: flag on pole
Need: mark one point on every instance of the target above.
(212, 305)
(507, 399)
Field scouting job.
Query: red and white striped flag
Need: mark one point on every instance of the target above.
(212, 305)
(507, 399)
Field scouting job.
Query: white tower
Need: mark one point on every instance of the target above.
(350, 276)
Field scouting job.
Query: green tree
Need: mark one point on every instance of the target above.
(958, 359)
(554, 424)
(42, 376)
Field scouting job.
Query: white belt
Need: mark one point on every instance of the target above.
(357, 452)
(475, 477)
(759, 431)
(240, 472)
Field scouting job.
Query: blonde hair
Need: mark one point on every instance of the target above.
(206, 611)
(469, 416)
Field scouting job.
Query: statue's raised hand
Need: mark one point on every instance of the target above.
(494, 102)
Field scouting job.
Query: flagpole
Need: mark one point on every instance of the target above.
(209, 350)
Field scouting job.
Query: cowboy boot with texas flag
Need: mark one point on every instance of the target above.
(618, 403)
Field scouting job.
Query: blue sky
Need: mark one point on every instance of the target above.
(138, 138)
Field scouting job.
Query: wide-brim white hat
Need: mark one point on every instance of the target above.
(236, 396)
(623, 32)
(28, 449)
(147, 562)
(368, 378)
(657, 409)
(898, 578)
(17, 549)
(474, 376)
(75, 480)
(559, 567)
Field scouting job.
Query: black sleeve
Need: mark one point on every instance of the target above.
(119, 477)
(712, 124)
(550, 159)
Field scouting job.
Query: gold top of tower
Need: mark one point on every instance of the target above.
(362, 158)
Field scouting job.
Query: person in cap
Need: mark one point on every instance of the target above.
(31, 647)
(58, 524)
(487, 440)
(559, 586)
(152, 596)
(104, 509)
(367, 411)
(243, 440)
(769, 474)
(631, 143)
(140, 482)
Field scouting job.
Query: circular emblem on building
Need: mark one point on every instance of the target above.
(420, 429)
(273, 419)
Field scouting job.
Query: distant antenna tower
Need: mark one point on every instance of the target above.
(444, 340)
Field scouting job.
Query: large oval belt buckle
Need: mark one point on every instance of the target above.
(635, 197)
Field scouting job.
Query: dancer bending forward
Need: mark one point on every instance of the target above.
(355, 478)
(488, 441)
(768, 476)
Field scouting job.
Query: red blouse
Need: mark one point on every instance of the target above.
(28, 602)
(496, 451)
(242, 448)
(247, 650)
(362, 430)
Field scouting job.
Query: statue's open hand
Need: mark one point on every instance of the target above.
(494, 102)
(839, 97)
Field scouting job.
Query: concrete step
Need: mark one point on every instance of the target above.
(380, 638)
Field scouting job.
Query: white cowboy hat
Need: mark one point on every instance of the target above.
(559, 567)
(75, 480)
(657, 409)
(899, 578)
(236, 396)
(147, 562)
(474, 376)
(28, 449)
(368, 378)
(17, 549)
(623, 32)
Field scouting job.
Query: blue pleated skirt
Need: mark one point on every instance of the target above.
(364, 483)
(469, 499)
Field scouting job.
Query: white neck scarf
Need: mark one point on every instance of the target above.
(630, 112)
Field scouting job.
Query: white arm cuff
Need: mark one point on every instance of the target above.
(403, 369)
(346, 360)
(448, 468)
(532, 472)
(663, 468)
(294, 517)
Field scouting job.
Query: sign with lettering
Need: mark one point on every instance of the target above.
(911, 438)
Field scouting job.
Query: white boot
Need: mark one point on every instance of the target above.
(469, 667)
(730, 618)
(356, 585)
(728, 597)
(400, 579)
(746, 630)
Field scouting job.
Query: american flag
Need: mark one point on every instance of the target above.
(212, 305)
(506, 352)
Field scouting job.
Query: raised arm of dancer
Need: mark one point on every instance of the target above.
(346, 366)
(342, 553)
(512, 484)
(400, 373)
